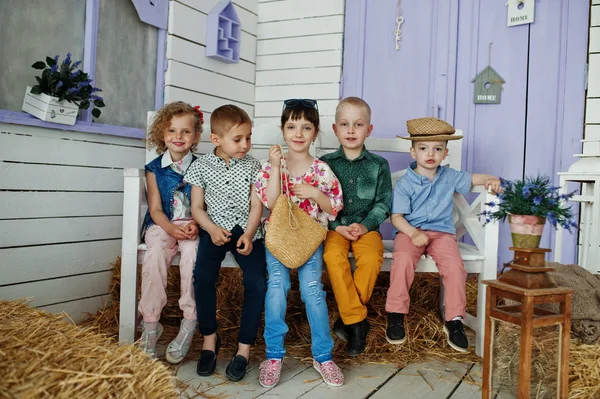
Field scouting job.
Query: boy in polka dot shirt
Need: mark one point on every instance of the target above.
(227, 209)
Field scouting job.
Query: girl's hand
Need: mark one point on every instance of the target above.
(219, 235)
(304, 191)
(275, 155)
(191, 229)
(178, 232)
(244, 244)
(419, 238)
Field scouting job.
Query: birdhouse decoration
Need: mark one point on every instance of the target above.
(223, 33)
(488, 87)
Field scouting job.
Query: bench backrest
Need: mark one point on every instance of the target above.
(264, 136)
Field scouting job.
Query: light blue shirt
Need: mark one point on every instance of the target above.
(427, 205)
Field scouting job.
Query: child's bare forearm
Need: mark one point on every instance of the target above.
(479, 179)
(256, 210)
(160, 219)
(197, 206)
(400, 222)
(324, 202)
(202, 218)
(273, 186)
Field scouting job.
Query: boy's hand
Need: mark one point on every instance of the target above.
(275, 155)
(244, 245)
(191, 229)
(493, 184)
(358, 229)
(419, 238)
(346, 232)
(304, 191)
(178, 232)
(219, 235)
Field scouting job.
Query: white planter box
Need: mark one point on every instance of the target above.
(49, 109)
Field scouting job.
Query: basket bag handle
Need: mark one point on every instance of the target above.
(285, 186)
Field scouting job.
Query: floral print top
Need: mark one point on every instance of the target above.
(318, 175)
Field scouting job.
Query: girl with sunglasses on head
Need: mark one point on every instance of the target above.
(316, 190)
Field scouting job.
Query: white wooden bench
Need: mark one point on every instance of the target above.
(480, 258)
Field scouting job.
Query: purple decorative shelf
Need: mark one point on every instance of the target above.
(223, 33)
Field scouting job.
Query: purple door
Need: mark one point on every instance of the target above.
(413, 81)
(445, 43)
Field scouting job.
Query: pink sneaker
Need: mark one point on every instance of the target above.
(331, 373)
(270, 371)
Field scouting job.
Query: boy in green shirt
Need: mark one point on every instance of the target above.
(367, 189)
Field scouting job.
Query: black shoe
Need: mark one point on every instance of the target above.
(208, 360)
(236, 370)
(357, 337)
(456, 335)
(340, 329)
(395, 332)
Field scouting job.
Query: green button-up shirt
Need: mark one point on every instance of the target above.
(367, 188)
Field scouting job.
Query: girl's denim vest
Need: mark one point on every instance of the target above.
(168, 182)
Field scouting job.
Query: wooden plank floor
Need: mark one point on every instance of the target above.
(299, 380)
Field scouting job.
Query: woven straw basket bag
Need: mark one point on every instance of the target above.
(292, 235)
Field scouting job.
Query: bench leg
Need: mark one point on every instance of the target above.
(128, 300)
(480, 331)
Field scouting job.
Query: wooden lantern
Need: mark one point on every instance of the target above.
(529, 286)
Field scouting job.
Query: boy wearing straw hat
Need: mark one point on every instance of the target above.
(367, 189)
(422, 216)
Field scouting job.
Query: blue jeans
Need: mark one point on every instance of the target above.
(313, 296)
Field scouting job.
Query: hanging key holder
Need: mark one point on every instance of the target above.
(399, 22)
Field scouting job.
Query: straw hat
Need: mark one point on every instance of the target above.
(429, 129)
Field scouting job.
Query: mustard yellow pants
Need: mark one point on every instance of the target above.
(352, 292)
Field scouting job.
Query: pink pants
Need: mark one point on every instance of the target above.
(162, 248)
(443, 249)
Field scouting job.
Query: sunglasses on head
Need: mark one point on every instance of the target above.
(307, 102)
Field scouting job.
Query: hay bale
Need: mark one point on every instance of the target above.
(426, 337)
(43, 356)
(544, 360)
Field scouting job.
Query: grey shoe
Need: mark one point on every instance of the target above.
(144, 342)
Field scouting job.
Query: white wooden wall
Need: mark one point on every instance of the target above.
(204, 81)
(592, 112)
(299, 55)
(61, 215)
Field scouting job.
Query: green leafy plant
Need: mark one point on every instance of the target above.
(531, 196)
(67, 82)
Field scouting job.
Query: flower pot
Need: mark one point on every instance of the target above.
(49, 109)
(526, 230)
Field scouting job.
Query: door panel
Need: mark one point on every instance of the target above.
(445, 44)
(411, 82)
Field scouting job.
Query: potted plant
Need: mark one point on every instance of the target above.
(61, 91)
(528, 203)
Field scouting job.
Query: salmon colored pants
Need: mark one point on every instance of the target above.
(442, 247)
(352, 292)
(162, 248)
